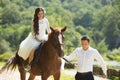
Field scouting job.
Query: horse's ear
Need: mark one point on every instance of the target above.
(63, 30)
(51, 29)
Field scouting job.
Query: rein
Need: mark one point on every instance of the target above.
(68, 61)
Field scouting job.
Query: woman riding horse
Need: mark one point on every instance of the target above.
(37, 36)
(49, 58)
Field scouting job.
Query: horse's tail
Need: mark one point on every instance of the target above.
(12, 62)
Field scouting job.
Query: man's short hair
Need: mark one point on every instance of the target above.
(85, 38)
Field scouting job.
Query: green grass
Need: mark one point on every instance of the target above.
(2, 63)
(64, 77)
(5, 57)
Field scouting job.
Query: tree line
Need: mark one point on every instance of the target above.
(99, 19)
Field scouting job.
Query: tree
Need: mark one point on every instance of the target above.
(112, 29)
(10, 15)
(4, 46)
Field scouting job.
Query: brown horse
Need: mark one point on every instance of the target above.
(49, 58)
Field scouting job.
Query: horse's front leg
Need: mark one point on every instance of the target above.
(44, 76)
(31, 77)
(57, 76)
(22, 73)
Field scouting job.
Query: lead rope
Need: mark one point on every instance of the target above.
(68, 61)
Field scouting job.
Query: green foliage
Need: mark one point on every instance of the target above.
(115, 78)
(4, 57)
(114, 55)
(10, 14)
(4, 46)
(102, 47)
(100, 20)
(12, 36)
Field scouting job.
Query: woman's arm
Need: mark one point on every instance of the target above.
(48, 26)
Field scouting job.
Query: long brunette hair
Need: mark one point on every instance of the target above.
(35, 20)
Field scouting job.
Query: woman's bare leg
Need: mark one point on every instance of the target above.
(31, 56)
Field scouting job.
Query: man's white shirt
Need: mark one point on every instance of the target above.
(85, 59)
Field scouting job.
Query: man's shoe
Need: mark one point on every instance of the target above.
(27, 67)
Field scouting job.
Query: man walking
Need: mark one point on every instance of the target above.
(85, 56)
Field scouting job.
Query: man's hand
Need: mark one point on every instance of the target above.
(104, 76)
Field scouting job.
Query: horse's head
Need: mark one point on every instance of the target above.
(57, 40)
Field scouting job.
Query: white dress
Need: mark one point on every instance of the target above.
(30, 43)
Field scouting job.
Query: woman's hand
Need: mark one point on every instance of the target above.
(42, 41)
(37, 39)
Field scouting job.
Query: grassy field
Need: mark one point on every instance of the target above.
(2, 63)
(64, 77)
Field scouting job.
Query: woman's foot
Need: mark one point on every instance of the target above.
(27, 67)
